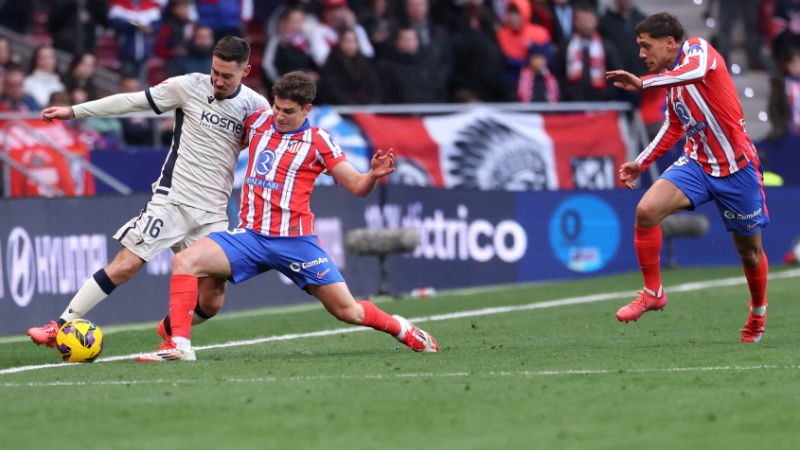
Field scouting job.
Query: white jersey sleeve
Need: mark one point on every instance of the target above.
(167, 95)
(112, 105)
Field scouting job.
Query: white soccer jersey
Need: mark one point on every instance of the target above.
(207, 139)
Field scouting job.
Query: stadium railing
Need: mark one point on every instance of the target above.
(74, 160)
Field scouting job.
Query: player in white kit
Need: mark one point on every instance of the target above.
(190, 197)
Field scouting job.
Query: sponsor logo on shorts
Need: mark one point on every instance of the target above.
(298, 266)
(323, 273)
(730, 215)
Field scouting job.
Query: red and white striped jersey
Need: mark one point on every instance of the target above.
(282, 167)
(703, 105)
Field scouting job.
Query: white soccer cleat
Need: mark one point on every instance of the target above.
(415, 338)
(167, 351)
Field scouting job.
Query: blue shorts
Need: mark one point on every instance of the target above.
(739, 197)
(300, 258)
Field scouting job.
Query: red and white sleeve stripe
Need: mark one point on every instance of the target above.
(695, 63)
(667, 136)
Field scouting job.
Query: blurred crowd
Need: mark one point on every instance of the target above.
(373, 51)
(359, 51)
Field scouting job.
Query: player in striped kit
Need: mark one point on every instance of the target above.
(190, 197)
(719, 162)
(276, 229)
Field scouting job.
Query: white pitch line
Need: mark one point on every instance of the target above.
(402, 376)
(686, 287)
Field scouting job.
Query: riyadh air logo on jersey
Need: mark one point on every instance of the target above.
(265, 161)
(683, 113)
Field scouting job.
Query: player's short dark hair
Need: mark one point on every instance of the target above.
(297, 87)
(661, 25)
(232, 48)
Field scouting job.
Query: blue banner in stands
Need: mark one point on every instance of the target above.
(49, 247)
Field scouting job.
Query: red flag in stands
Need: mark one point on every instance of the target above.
(29, 144)
(490, 150)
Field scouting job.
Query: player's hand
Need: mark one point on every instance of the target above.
(629, 172)
(57, 112)
(382, 163)
(625, 80)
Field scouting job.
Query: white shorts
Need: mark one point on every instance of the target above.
(163, 224)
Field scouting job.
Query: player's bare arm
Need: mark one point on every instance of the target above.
(361, 184)
(629, 172)
(57, 112)
(624, 80)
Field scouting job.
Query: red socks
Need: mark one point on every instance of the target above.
(647, 242)
(377, 319)
(182, 300)
(757, 282)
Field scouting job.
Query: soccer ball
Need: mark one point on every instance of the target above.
(79, 340)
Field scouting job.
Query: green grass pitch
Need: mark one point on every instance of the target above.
(547, 376)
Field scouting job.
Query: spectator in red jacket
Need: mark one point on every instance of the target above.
(517, 35)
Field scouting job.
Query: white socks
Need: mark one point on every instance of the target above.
(89, 295)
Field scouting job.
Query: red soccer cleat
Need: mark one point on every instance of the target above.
(753, 329)
(45, 334)
(415, 338)
(647, 300)
(167, 351)
(161, 330)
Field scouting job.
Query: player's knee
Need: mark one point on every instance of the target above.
(647, 215)
(351, 314)
(183, 263)
(750, 256)
(123, 268)
(209, 308)
(211, 305)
